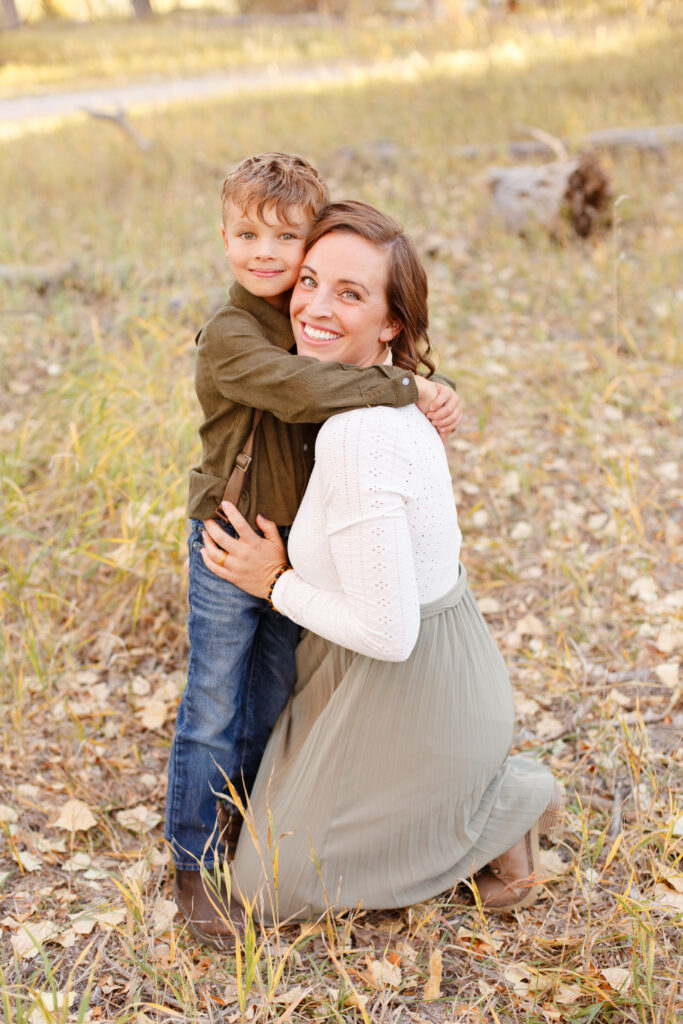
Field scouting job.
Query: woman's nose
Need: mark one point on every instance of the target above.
(319, 304)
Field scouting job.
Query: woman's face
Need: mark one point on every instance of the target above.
(339, 306)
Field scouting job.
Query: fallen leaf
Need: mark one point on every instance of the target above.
(75, 816)
(548, 725)
(675, 881)
(668, 900)
(669, 640)
(521, 531)
(48, 1004)
(567, 994)
(293, 995)
(26, 941)
(153, 714)
(667, 673)
(530, 625)
(618, 978)
(552, 864)
(510, 484)
(7, 814)
(385, 974)
(27, 861)
(432, 989)
(138, 819)
(162, 919)
(644, 589)
(110, 918)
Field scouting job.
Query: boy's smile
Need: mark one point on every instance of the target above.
(265, 252)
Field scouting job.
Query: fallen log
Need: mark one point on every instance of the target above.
(576, 192)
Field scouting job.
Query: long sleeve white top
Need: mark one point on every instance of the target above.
(376, 535)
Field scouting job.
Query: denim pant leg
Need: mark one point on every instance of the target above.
(270, 685)
(214, 729)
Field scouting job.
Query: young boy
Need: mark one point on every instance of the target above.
(241, 662)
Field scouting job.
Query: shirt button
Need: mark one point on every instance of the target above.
(305, 447)
(406, 380)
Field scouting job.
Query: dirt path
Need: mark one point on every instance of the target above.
(21, 113)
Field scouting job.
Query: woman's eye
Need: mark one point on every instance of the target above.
(307, 282)
(349, 294)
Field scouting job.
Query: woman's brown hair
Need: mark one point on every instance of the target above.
(407, 281)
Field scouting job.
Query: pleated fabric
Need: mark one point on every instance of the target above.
(383, 783)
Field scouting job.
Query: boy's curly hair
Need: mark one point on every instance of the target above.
(282, 180)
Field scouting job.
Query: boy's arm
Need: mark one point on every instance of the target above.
(247, 368)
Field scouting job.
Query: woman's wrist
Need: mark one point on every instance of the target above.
(285, 567)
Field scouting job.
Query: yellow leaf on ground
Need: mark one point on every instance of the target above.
(668, 900)
(530, 625)
(667, 673)
(7, 814)
(138, 819)
(432, 989)
(75, 816)
(552, 865)
(26, 941)
(153, 714)
(644, 589)
(28, 861)
(618, 978)
(567, 994)
(48, 1005)
(162, 919)
(668, 640)
(385, 974)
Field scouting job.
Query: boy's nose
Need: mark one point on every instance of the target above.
(266, 250)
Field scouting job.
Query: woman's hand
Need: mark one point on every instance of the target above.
(248, 561)
(441, 405)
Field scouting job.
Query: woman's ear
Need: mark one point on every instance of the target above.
(390, 330)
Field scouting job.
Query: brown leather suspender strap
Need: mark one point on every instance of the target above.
(237, 479)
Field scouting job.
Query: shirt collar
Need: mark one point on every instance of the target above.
(277, 324)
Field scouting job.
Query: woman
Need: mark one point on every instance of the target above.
(387, 776)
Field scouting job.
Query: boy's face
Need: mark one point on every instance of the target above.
(265, 255)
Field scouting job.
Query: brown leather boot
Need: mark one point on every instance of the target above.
(229, 826)
(511, 881)
(212, 918)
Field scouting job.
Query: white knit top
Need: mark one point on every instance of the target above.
(376, 535)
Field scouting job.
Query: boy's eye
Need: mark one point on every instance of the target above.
(248, 235)
(287, 236)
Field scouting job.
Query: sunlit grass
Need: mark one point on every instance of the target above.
(565, 471)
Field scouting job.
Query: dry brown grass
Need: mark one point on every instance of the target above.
(566, 472)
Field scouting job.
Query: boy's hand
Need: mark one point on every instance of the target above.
(441, 405)
(248, 560)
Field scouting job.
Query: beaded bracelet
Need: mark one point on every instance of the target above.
(283, 569)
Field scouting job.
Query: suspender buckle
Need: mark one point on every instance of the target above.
(243, 461)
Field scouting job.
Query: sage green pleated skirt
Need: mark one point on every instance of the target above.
(386, 783)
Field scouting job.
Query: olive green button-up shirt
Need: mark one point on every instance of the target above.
(244, 363)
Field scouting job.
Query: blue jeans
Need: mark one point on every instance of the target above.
(240, 674)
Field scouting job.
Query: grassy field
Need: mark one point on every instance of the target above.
(56, 54)
(567, 476)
